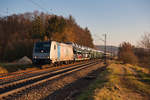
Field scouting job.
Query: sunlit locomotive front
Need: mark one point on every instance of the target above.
(52, 52)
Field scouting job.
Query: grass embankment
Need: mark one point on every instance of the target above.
(8, 68)
(119, 82)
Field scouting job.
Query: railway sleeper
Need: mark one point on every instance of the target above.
(27, 88)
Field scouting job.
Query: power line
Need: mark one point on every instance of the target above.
(105, 35)
(7, 11)
(105, 49)
(98, 38)
(33, 2)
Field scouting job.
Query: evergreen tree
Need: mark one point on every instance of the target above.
(37, 29)
(55, 25)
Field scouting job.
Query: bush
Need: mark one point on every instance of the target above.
(126, 53)
(130, 58)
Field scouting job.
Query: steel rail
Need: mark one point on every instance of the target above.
(29, 74)
(16, 87)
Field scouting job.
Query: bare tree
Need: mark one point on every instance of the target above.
(145, 41)
(143, 50)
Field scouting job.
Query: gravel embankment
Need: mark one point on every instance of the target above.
(49, 90)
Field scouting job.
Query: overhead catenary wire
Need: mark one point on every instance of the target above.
(38, 5)
(105, 48)
(5, 13)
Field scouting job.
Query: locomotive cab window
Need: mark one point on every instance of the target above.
(42, 46)
(54, 47)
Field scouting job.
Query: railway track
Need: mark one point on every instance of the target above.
(16, 87)
(27, 74)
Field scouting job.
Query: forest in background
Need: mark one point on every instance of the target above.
(18, 33)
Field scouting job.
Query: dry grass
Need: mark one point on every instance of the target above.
(9, 68)
(3, 70)
(120, 82)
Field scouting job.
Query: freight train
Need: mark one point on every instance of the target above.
(53, 52)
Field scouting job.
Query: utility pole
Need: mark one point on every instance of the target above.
(105, 58)
(7, 11)
(104, 40)
(111, 53)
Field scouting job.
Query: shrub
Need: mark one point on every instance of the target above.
(126, 53)
(130, 58)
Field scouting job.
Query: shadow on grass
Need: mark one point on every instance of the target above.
(144, 77)
(124, 74)
(98, 83)
(146, 81)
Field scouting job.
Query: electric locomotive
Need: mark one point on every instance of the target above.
(55, 52)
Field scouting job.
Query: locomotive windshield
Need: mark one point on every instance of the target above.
(42, 47)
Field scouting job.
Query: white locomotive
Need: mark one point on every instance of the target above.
(54, 52)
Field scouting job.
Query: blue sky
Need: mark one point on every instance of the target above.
(122, 20)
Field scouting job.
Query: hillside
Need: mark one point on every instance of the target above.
(18, 33)
(112, 49)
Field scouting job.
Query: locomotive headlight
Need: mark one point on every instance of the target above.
(35, 57)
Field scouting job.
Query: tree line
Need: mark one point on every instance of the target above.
(138, 55)
(19, 32)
